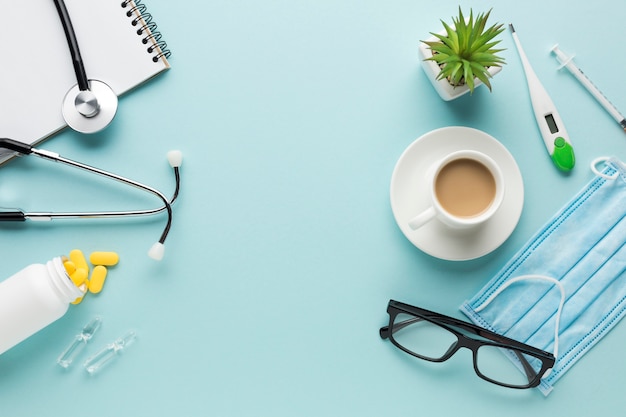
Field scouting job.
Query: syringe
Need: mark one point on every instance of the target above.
(568, 62)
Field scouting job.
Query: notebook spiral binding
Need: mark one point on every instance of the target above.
(146, 26)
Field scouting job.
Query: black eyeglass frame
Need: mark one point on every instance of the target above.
(463, 340)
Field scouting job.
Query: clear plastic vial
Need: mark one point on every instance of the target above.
(32, 299)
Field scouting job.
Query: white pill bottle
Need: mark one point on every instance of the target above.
(32, 299)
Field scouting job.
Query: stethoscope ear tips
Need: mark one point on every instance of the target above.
(175, 158)
(157, 251)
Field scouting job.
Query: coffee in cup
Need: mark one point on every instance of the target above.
(466, 189)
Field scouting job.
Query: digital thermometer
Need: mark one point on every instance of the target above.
(550, 124)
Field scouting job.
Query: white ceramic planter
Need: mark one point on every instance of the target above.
(444, 88)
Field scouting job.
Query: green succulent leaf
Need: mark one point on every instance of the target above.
(483, 75)
(467, 49)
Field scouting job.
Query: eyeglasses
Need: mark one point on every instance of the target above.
(435, 337)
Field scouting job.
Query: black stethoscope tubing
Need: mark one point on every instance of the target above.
(19, 215)
(90, 105)
(70, 35)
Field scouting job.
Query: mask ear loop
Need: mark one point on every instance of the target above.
(558, 311)
(594, 168)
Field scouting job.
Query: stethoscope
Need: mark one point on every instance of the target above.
(156, 251)
(90, 105)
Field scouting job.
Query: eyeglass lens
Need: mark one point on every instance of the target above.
(430, 341)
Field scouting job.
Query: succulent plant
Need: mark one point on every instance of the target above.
(467, 50)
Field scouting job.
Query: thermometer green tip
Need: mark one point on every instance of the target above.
(563, 155)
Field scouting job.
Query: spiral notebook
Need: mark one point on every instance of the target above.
(36, 69)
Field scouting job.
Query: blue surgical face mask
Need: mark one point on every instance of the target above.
(566, 288)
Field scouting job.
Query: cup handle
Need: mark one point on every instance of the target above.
(422, 218)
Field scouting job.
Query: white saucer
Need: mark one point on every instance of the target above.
(409, 195)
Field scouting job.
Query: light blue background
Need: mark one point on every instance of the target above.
(284, 251)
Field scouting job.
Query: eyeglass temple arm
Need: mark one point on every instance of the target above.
(528, 369)
(385, 331)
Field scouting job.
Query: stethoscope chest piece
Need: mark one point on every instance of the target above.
(90, 111)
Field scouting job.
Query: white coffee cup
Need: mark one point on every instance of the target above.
(466, 189)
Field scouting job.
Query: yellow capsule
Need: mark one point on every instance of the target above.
(98, 276)
(78, 300)
(79, 260)
(70, 268)
(79, 277)
(104, 258)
